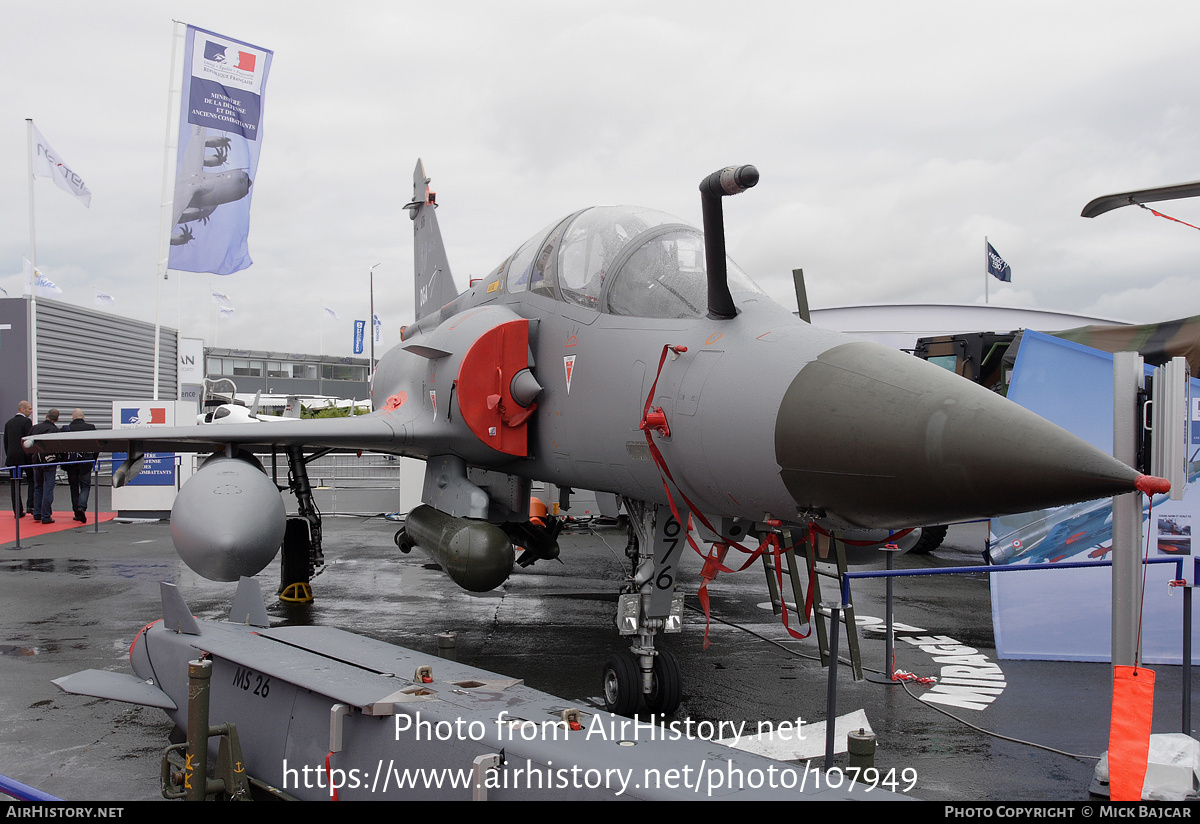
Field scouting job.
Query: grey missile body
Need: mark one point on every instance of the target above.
(304, 698)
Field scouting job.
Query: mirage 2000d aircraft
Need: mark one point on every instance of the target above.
(618, 350)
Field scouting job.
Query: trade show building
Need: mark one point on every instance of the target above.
(87, 358)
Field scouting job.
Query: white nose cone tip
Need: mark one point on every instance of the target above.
(872, 437)
(228, 520)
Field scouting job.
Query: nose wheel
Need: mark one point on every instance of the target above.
(623, 684)
(666, 686)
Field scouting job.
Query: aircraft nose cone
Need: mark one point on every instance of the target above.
(877, 438)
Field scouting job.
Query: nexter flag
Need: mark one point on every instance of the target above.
(220, 135)
(48, 163)
(996, 265)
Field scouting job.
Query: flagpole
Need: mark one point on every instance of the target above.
(165, 213)
(371, 371)
(31, 320)
(32, 233)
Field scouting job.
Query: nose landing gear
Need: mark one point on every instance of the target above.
(649, 605)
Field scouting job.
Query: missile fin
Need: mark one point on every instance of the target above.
(115, 686)
(177, 615)
(248, 607)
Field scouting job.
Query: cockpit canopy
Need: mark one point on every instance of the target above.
(623, 260)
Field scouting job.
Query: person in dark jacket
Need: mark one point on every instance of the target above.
(79, 476)
(15, 430)
(43, 476)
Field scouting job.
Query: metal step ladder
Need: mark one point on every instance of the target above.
(829, 562)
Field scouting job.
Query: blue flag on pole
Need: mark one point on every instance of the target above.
(360, 328)
(220, 135)
(997, 267)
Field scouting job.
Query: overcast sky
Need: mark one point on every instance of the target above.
(891, 138)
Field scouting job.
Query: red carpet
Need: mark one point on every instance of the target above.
(32, 529)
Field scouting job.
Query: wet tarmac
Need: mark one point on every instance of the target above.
(74, 600)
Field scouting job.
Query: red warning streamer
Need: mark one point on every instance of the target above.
(1168, 217)
(1132, 712)
(1129, 735)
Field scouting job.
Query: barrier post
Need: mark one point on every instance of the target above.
(96, 497)
(835, 618)
(889, 644)
(17, 480)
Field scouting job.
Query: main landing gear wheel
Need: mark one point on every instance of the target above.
(296, 564)
(931, 538)
(666, 685)
(622, 683)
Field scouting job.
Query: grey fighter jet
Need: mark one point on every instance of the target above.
(618, 350)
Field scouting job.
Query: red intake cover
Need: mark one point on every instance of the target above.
(483, 387)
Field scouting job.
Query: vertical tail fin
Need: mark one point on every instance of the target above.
(434, 286)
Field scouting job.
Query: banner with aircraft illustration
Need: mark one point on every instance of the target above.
(220, 137)
(1066, 614)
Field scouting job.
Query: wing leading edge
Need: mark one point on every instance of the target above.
(372, 433)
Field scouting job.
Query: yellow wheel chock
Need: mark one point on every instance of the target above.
(299, 593)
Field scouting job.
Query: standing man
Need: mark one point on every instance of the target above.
(15, 430)
(79, 476)
(43, 476)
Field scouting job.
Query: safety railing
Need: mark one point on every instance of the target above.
(348, 470)
(13, 788)
(831, 691)
(16, 472)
